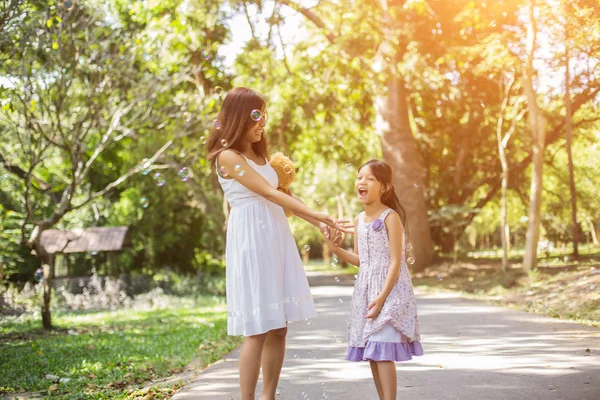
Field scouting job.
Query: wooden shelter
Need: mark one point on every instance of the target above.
(109, 240)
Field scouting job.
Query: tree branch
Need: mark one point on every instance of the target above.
(311, 16)
(124, 177)
(22, 174)
(252, 30)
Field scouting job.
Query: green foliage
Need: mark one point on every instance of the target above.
(105, 354)
(66, 74)
(80, 115)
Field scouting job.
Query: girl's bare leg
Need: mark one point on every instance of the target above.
(376, 378)
(387, 376)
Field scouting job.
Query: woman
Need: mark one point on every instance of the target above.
(266, 282)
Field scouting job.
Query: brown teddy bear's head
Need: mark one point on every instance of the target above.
(285, 170)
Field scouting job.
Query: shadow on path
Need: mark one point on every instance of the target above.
(473, 351)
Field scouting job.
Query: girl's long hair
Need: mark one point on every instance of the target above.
(383, 173)
(235, 122)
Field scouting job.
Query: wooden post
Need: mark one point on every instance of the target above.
(114, 263)
(48, 268)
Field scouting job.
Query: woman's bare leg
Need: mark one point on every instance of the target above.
(272, 361)
(250, 364)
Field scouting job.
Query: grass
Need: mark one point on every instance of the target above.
(112, 354)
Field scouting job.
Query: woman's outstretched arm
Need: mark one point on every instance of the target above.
(256, 183)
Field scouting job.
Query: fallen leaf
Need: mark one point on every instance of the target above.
(53, 388)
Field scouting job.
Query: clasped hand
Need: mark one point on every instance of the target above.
(335, 236)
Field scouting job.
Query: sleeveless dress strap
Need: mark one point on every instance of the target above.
(383, 217)
(384, 214)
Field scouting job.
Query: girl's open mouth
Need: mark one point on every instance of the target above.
(362, 192)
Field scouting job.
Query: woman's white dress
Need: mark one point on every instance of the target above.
(266, 283)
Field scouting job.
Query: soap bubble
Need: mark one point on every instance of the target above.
(224, 142)
(39, 275)
(223, 171)
(144, 202)
(217, 124)
(184, 174)
(159, 179)
(306, 248)
(238, 170)
(256, 115)
(439, 277)
(205, 54)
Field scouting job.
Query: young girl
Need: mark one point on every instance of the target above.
(265, 280)
(383, 326)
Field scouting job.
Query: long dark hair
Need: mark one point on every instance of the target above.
(383, 173)
(234, 122)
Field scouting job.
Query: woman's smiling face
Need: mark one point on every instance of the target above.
(256, 132)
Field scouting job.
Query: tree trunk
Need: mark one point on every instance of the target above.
(538, 131)
(401, 153)
(47, 261)
(569, 126)
(473, 239)
(326, 255)
(398, 144)
(305, 257)
(455, 248)
(594, 234)
(502, 142)
(400, 150)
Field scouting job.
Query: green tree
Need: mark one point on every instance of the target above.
(65, 101)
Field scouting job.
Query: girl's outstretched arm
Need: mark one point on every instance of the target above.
(349, 257)
(394, 229)
(256, 183)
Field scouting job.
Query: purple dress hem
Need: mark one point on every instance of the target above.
(385, 351)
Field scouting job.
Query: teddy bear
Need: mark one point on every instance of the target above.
(286, 172)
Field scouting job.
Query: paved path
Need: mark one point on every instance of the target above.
(473, 351)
